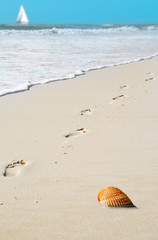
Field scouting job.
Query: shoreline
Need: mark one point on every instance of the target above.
(75, 75)
(75, 138)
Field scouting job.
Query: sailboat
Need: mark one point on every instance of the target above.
(22, 17)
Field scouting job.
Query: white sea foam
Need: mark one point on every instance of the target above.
(71, 31)
(38, 54)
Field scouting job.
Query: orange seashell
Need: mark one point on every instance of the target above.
(114, 197)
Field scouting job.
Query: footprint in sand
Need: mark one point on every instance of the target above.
(79, 131)
(14, 168)
(123, 86)
(149, 73)
(149, 79)
(120, 96)
(86, 112)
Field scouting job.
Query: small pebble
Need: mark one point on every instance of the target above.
(68, 146)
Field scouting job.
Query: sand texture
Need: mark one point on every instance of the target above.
(78, 137)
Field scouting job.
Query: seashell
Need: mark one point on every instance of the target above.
(114, 197)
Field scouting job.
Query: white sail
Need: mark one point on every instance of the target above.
(22, 17)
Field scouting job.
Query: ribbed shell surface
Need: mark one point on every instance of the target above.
(114, 197)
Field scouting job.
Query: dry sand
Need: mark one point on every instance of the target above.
(113, 143)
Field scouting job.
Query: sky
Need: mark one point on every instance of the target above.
(81, 11)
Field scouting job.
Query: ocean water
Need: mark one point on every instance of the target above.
(35, 54)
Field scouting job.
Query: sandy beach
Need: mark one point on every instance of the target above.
(77, 137)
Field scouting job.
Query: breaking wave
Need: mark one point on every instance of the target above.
(35, 54)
